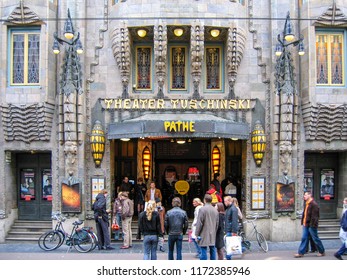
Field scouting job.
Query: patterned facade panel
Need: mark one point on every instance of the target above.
(27, 123)
(325, 122)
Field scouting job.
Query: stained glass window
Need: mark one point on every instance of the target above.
(178, 68)
(143, 68)
(25, 57)
(213, 68)
(329, 59)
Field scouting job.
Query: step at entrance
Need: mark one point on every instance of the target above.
(329, 229)
(23, 230)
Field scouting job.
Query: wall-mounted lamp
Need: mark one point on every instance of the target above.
(215, 159)
(97, 143)
(142, 32)
(258, 140)
(215, 32)
(146, 162)
(181, 141)
(178, 32)
(125, 139)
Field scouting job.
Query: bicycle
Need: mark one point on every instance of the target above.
(82, 239)
(258, 235)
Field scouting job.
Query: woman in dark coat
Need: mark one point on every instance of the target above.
(220, 231)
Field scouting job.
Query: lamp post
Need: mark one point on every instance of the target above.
(286, 97)
(70, 101)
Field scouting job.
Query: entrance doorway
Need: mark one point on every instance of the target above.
(320, 177)
(187, 162)
(34, 186)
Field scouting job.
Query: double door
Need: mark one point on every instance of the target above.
(34, 186)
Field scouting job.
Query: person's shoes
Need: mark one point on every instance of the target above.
(336, 255)
(124, 247)
(109, 248)
(298, 256)
(313, 251)
(320, 254)
(101, 248)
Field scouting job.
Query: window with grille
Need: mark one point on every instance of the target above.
(25, 57)
(143, 68)
(330, 58)
(213, 67)
(178, 68)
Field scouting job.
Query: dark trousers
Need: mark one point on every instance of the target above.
(103, 233)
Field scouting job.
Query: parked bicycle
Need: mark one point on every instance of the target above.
(258, 235)
(82, 239)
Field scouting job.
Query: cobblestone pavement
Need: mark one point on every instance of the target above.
(277, 251)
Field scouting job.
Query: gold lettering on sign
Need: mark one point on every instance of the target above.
(177, 104)
(179, 126)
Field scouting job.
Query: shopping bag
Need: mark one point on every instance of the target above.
(233, 245)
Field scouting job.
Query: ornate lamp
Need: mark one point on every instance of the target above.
(97, 143)
(215, 159)
(258, 143)
(146, 162)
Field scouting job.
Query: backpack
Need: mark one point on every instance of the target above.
(215, 197)
(97, 205)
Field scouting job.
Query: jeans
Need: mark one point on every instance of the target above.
(175, 239)
(197, 247)
(118, 233)
(203, 255)
(150, 243)
(103, 233)
(305, 239)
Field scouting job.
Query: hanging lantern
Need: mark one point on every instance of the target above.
(258, 143)
(146, 162)
(97, 143)
(215, 159)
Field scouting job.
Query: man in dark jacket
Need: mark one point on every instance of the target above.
(309, 221)
(176, 225)
(231, 219)
(101, 220)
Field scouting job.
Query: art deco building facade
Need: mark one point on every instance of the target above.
(173, 91)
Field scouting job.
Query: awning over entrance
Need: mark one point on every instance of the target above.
(179, 125)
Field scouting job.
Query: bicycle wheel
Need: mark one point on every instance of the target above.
(95, 240)
(50, 240)
(82, 241)
(262, 242)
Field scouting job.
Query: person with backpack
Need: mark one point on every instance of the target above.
(127, 215)
(101, 220)
(214, 194)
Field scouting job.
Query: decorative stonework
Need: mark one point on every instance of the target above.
(160, 56)
(332, 17)
(325, 122)
(22, 15)
(197, 55)
(121, 53)
(27, 123)
(236, 47)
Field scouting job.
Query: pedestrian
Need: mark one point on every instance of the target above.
(231, 219)
(117, 216)
(125, 186)
(152, 193)
(220, 231)
(140, 192)
(127, 214)
(176, 225)
(309, 222)
(230, 189)
(149, 226)
(343, 233)
(214, 194)
(217, 186)
(239, 212)
(197, 203)
(101, 220)
(206, 228)
(161, 211)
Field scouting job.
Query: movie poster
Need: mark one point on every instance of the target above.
(71, 198)
(285, 197)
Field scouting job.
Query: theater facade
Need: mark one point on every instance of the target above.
(173, 92)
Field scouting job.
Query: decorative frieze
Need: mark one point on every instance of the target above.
(23, 15)
(332, 17)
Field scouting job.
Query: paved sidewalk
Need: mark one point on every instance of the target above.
(277, 251)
